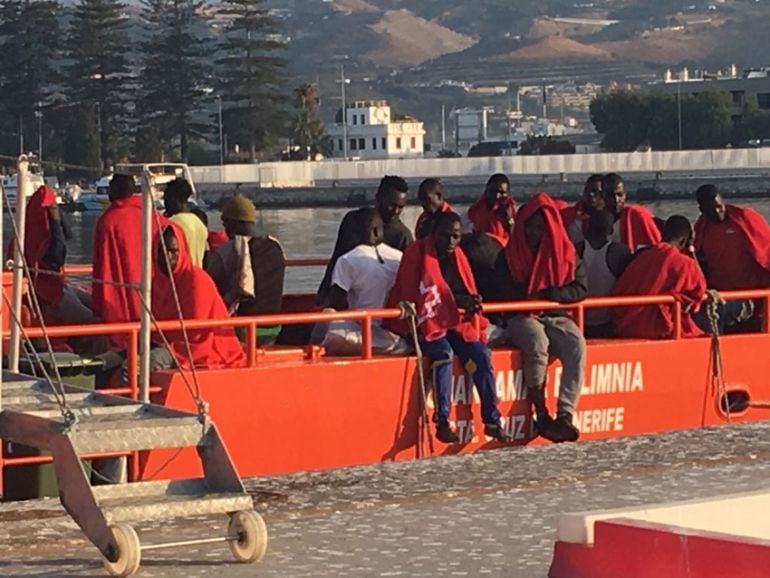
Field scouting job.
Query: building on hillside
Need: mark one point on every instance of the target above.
(750, 84)
(371, 132)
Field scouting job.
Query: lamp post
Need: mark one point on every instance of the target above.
(98, 106)
(679, 110)
(221, 139)
(39, 117)
(343, 81)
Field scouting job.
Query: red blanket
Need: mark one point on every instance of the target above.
(444, 208)
(420, 281)
(493, 220)
(216, 239)
(754, 227)
(659, 270)
(638, 228)
(37, 240)
(117, 259)
(198, 299)
(554, 262)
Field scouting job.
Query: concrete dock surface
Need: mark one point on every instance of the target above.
(492, 513)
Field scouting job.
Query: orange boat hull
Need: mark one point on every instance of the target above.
(286, 415)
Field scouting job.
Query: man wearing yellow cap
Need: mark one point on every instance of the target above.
(249, 269)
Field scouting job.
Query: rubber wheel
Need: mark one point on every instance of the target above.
(251, 532)
(129, 551)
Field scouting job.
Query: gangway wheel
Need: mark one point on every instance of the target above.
(248, 536)
(129, 552)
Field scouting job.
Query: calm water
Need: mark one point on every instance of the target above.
(311, 232)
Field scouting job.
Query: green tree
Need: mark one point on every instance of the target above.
(173, 82)
(308, 128)
(252, 75)
(546, 145)
(618, 115)
(98, 72)
(28, 47)
(81, 144)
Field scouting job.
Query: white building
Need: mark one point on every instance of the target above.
(372, 134)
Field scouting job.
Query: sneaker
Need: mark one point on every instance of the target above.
(445, 434)
(495, 430)
(562, 430)
(543, 422)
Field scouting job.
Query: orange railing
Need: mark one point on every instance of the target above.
(365, 317)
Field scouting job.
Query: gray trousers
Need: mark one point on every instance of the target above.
(539, 337)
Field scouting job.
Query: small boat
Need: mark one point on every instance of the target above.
(11, 186)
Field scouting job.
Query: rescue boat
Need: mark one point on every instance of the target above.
(293, 408)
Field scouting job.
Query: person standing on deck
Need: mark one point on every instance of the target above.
(198, 299)
(362, 279)
(604, 262)
(248, 269)
(432, 200)
(494, 212)
(45, 249)
(732, 243)
(389, 202)
(543, 264)
(635, 225)
(175, 201)
(576, 217)
(435, 275)
(117, 266)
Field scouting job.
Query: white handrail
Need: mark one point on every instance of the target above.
(22, 184)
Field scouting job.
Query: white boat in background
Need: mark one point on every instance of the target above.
(158, 176)
(11, 186)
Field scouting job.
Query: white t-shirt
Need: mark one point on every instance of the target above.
(366, 280)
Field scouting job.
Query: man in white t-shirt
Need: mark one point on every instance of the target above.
(362, 279)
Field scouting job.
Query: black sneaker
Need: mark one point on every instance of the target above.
(445, 434)
(562, 430)
(495, 430)
(542, 423)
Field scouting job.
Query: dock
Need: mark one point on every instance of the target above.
(491, 513)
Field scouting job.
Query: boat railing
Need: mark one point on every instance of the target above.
(364, 317)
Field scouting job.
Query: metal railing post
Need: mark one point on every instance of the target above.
(146, 289)
(251, 345)
(677, 320)
(133, 365)
(366, 336)
(22, 182)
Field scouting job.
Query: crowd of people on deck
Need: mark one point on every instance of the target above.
(545, 251)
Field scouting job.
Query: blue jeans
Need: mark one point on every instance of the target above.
(441, 353)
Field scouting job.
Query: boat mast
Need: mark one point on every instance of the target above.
(148, 206)
(22, 183)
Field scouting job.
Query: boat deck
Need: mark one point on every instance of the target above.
(488, 513)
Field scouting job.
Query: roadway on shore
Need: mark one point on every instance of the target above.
(491, 513)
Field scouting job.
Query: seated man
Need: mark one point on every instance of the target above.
(604, 262)
(668, 268)
(576, 216)
(45, 249)
(637, 228)
(435, 275)
(362, 279)
(178, 211)
(194, 292)
(494, 212)
(390, 201)
(732, 243)
(543, 264)
(432, 200)
(249, 269)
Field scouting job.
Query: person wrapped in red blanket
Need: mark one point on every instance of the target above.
(576, 216)
(117, 266)
(432, 200)
(198, 298)
(543, 264)
(638, 227)
(435, 275)
(732, 243)
(665, 269)
(494, 212)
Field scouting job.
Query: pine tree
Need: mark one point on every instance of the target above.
(98, 74)
(308, 128)
(28, 46)
(174, 77)
(251, 75)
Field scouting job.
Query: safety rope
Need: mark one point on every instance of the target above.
(69, 417)
(409, 312)
(717, 369)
